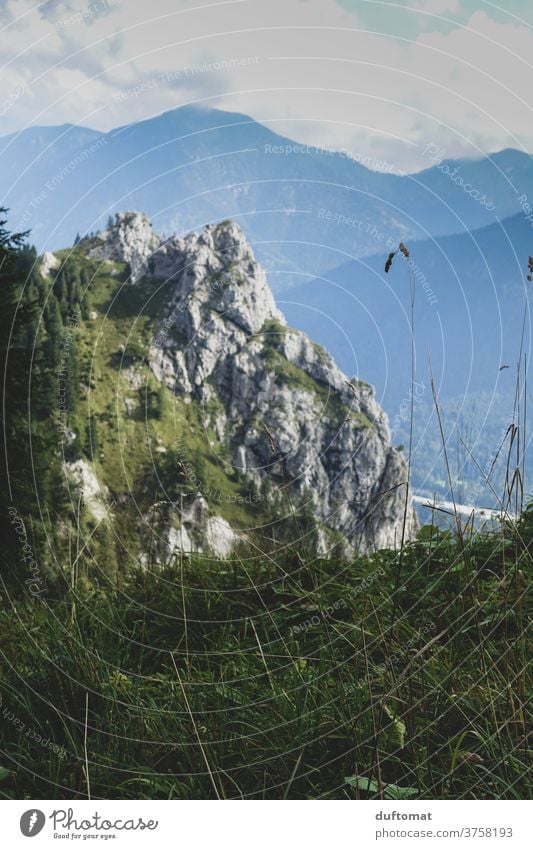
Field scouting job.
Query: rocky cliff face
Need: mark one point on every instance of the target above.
(131, 240)
(312, 442)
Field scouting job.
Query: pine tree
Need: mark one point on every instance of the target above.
(85, 300)
(27, 448)
(72, 375)
(53, 322)
(161, 405)
(15, 316)
(61, 292)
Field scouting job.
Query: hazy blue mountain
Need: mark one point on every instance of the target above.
(304, 211)
(469, 308)
(43, 143)
(469, 314)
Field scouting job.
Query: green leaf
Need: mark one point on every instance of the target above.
(4, 773)
(390, 791)
(368, 785)
(396, 730)
(394, 791)
(231, 694)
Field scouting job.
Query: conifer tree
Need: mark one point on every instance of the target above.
(19, 440)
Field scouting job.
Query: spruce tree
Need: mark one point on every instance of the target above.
(22, 445)
(53, 322)
(161, 405)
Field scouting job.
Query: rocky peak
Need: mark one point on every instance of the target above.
(49, 263)
(131, 239)
(279, 404)
(216, 271)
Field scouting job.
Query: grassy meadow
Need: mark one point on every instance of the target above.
(290, 678)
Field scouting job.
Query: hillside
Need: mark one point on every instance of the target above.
(137, 659)
(203, 422)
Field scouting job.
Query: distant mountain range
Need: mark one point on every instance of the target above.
(471, 309)
(321, 224)
(305, 210)
(470, 295)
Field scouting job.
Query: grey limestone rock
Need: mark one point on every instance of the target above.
(283, 409)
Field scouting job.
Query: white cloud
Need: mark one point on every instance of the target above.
(437, 7)
(308, 68)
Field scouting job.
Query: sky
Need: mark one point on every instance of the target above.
(388, 80)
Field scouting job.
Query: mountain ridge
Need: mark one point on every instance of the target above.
(191, 165)
(266, 406)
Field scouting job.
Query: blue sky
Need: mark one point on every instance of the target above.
(410, 19)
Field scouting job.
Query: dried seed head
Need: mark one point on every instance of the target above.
(389, 261)
(470, 758)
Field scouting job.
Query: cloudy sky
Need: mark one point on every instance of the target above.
(371, 77)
